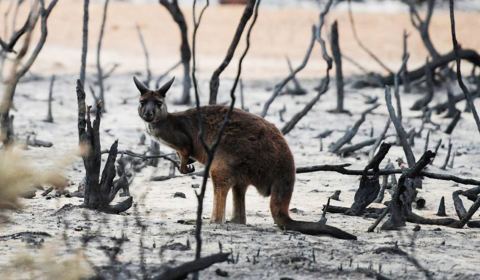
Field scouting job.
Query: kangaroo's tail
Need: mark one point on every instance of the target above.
(312, 228)
(279, 203)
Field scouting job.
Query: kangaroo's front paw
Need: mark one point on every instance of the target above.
(187, 169)
(190, 168)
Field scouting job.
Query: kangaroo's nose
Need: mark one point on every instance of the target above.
(149, 114)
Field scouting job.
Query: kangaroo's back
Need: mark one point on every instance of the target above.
(251, 147)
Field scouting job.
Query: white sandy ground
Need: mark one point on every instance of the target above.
(448, 253)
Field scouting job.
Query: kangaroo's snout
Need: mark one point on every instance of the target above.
(148, 116)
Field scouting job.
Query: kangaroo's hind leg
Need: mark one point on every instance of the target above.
(238, 195)
(221, 185)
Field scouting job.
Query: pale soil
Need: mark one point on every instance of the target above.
(448, 253)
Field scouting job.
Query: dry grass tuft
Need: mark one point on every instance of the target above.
(18, 176)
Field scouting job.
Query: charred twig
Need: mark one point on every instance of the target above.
(154, 151)
(352, 148)
(144, 157)
(456, 51)
(454, 122)
(404, 74)
(185, 53)
(444, 166)
(342, 170)
(181, 272)
(423, 102)
(215, 80)
(337, 58)
(457, 202)
(450, 103)
(334, 148)
(99, 67)
(145, 51)
(49, 114)
(400, 130)
(280, 86)
(427, 139)
(84, 42)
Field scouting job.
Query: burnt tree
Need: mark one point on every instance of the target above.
(99, 191)
(185, 53)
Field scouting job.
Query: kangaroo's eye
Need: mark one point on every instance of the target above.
(142, 103)
(159, 104)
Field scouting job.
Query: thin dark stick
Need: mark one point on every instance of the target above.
(444, 166)
(426, 141)
(49, 115)
(241, 95)
(400, 130)
(144, 157)
(182, 271)
(454, 122)
(298, 89)
(84, 41)
(337, 58)
(99, 67)
(379, 139)
(404, 75)
(456, 49)
(145, 51)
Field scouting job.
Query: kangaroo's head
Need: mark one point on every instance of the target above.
(152, 107)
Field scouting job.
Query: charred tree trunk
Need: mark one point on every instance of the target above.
(99, 191)
(184, 47)
(337, 58)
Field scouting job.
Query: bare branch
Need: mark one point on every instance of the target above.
(215, 80)
(456, 50)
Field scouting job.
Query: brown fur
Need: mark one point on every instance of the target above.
(252, 151)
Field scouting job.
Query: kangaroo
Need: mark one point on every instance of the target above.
(252, 151)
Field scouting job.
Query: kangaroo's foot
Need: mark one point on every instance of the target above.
(238, 220)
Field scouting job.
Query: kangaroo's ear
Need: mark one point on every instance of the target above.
(163, 90)
(141, 87)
